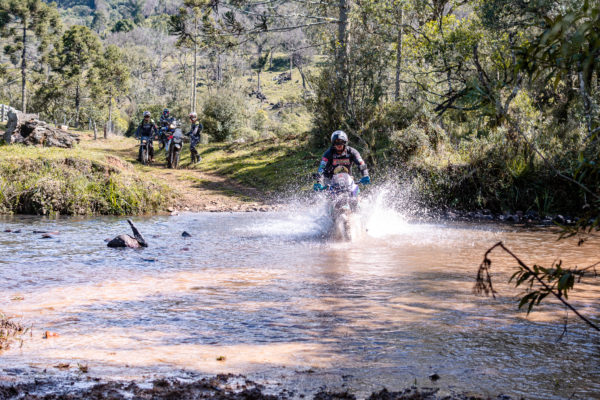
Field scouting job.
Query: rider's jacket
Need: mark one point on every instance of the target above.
(346, 158)
(166, 121)
(146, 128)
(195, 129)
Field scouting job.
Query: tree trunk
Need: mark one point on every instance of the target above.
(110, 99)
(341, 53)
(343, 95)
(258, 85)
(95, 131)
(77, 104)
(302, 75)
(24, 70)
(291, 64)
(194, 83)
(399, 56)
(219, 72)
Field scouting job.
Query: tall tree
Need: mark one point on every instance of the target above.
(109, 79)
(76, 54)
(28, 24)
(187, 27)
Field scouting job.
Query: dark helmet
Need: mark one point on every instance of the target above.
(339, 135)
(146, 114)
(166, 111)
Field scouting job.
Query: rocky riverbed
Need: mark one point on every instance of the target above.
(234, 387)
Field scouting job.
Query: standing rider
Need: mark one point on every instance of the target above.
(340, 154)
(147, 128)
(194, 135)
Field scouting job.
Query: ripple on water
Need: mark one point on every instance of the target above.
(266, 291)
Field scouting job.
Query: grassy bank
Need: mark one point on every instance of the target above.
(269, 165)
(51, 181)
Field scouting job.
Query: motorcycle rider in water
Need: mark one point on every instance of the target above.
(340, 154)
(148, 129)
(194, 134)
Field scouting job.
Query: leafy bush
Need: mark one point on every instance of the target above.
(224, 115)
(54, 181)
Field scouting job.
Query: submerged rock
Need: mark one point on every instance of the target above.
(134, 242)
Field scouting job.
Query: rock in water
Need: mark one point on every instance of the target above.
(185, 234)
(134, 242)
(124, 241)
(27, 129)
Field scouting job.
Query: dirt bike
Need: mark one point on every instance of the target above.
(174, 146)
(167, 134)
(342, 193)
(144, 152)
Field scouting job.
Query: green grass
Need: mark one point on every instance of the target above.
(269, 165)
(79, 181)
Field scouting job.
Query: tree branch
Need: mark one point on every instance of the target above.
(482, 282)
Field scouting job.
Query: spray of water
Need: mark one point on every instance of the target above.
(386, 209)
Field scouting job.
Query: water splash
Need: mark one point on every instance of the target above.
(386, 209)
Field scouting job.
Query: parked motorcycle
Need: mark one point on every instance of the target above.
(174, 146)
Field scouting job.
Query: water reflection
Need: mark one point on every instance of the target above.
(267, 292)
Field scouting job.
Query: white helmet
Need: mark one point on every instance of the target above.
(339, 135)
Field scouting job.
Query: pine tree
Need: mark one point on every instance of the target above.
(28, 24)
(76, 54)
(109, 80)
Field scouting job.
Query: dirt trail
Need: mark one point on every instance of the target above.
(202, 191)
(194, 190)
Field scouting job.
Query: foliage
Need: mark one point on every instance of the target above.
(21, 19)
(47, 181)
(224, 114)
(541, 282)
(567, 48)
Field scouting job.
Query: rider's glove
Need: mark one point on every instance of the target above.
(365, 180)
(318, 187)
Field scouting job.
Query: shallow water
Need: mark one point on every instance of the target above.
(281, 304)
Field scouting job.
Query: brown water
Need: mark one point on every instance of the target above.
(265, 291)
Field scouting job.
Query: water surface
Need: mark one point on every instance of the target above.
(281, 304)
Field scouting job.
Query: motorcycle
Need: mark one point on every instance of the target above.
(167, 134)
(342, 193)
(144, 152)
(162, 137)
(174, 146)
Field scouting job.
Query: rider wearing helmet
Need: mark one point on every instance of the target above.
(147, 128)
(165, 118)
(165, 121)
(340, 154)
(194, 134)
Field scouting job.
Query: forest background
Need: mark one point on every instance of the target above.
(483, 104)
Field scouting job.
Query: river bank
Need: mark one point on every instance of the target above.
(224, 386)
(102, 177)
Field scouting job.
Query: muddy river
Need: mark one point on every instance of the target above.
(265, 295)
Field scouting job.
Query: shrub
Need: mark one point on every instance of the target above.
(224, 115)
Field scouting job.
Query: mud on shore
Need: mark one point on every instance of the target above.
(220, 387)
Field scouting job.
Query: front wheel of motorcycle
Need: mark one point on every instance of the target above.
(144, 155)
